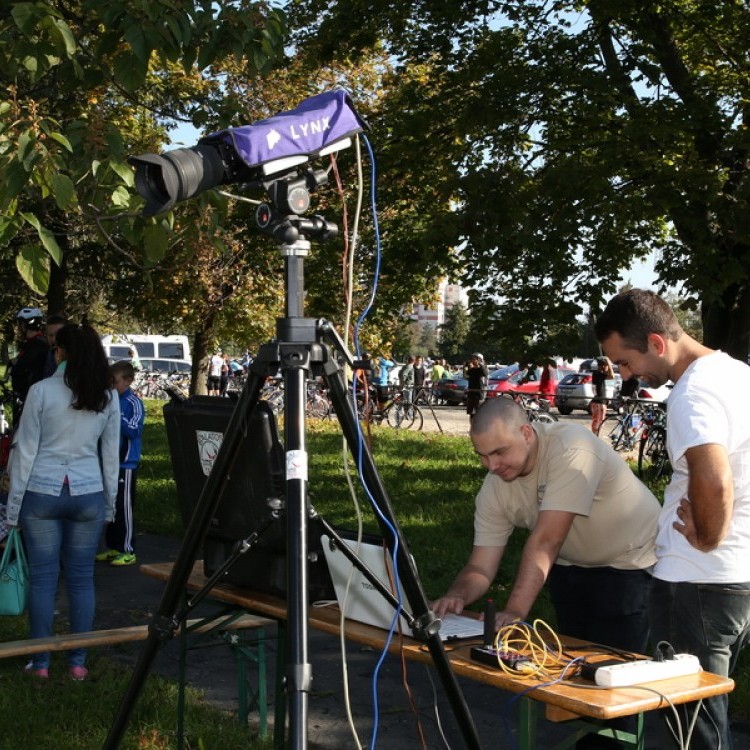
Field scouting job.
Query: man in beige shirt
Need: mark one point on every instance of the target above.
(592, 523)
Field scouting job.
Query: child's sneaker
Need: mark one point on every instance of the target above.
(78, 673)
(126, 558)
(42, 673)
(107, 556)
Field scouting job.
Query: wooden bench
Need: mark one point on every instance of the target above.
(190, 629)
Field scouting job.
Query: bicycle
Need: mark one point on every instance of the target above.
(653, 459)
(536, 408)
(633, 423)
(395, 412)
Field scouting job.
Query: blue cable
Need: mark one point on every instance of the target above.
(360, 440)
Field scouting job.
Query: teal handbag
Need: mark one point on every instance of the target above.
(14, 576)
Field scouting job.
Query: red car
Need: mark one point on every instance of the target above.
(514, 384)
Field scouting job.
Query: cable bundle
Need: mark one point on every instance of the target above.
(524, 649)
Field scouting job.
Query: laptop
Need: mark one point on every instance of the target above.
(366, 604)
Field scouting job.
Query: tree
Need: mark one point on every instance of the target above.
(591, 133)
(454, 332)
(82, 81)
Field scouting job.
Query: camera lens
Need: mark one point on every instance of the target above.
(166, 179)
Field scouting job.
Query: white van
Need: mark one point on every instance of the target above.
(148, 346)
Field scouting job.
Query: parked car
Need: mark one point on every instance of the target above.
(149, 364)
(502, 373)
(451, 389)
(648, 392)
(514, 383)
(576, 390)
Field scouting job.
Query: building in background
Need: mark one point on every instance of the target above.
(448, 295)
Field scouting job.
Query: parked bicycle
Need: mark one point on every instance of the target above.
(653, 459)
(536, 407)
(395, 412)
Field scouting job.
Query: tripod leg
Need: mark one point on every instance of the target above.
(163, 624)
(299, 669)
(408, 575)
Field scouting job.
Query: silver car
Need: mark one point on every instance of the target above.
(575, 391)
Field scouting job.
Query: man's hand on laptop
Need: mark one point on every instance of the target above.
(448, 603)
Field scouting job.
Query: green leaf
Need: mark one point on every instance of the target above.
(62, 140)
(64, 192)
(64, 37)
(124, 171)
(8, 229)
(156, 243)
(15, 179)
(120, 197)
(33, 266)
(46, 236)
(130, 72)
(24, 14)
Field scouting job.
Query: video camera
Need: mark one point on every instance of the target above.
(318, 126)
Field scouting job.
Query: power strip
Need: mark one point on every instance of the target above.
(646, 670)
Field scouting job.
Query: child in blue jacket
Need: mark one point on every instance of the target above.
(120, 533)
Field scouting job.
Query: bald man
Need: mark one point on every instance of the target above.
(592, 523)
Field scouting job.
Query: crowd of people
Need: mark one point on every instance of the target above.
(622, 569)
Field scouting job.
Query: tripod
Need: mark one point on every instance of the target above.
(299, 350)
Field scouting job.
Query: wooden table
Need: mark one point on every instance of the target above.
(563, 702)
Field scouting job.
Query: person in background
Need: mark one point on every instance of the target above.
(54, 324)
(214, 373)
(599, 378)
(406, 380)
(119, 535)
(63, 484)
(475, 371)
(547, 381)
(420, 375)
(134, 358)
(382, 383)
(226, 374)
(438, 371)
(700, 593)
(28, 367)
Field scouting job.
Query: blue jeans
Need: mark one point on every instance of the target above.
(711, 621)
(61, 527)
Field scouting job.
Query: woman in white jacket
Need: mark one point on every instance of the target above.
(63, 483)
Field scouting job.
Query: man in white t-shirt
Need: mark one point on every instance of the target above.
(592, 526)
(700, 597)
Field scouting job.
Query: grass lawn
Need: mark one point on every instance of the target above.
(431, 480)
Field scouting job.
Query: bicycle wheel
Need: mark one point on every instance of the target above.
(543, 417)
(400, 415)
(417, 420)
(317, 407)
(653, 461)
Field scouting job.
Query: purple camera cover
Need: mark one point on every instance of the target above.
(310, 127)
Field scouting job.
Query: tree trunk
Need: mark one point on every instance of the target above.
(58, 282)
(726, 322)
(201, 359)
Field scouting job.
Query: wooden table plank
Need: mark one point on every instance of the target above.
(580, 698)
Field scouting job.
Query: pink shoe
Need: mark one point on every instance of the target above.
(42, 673)
(78, 673)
